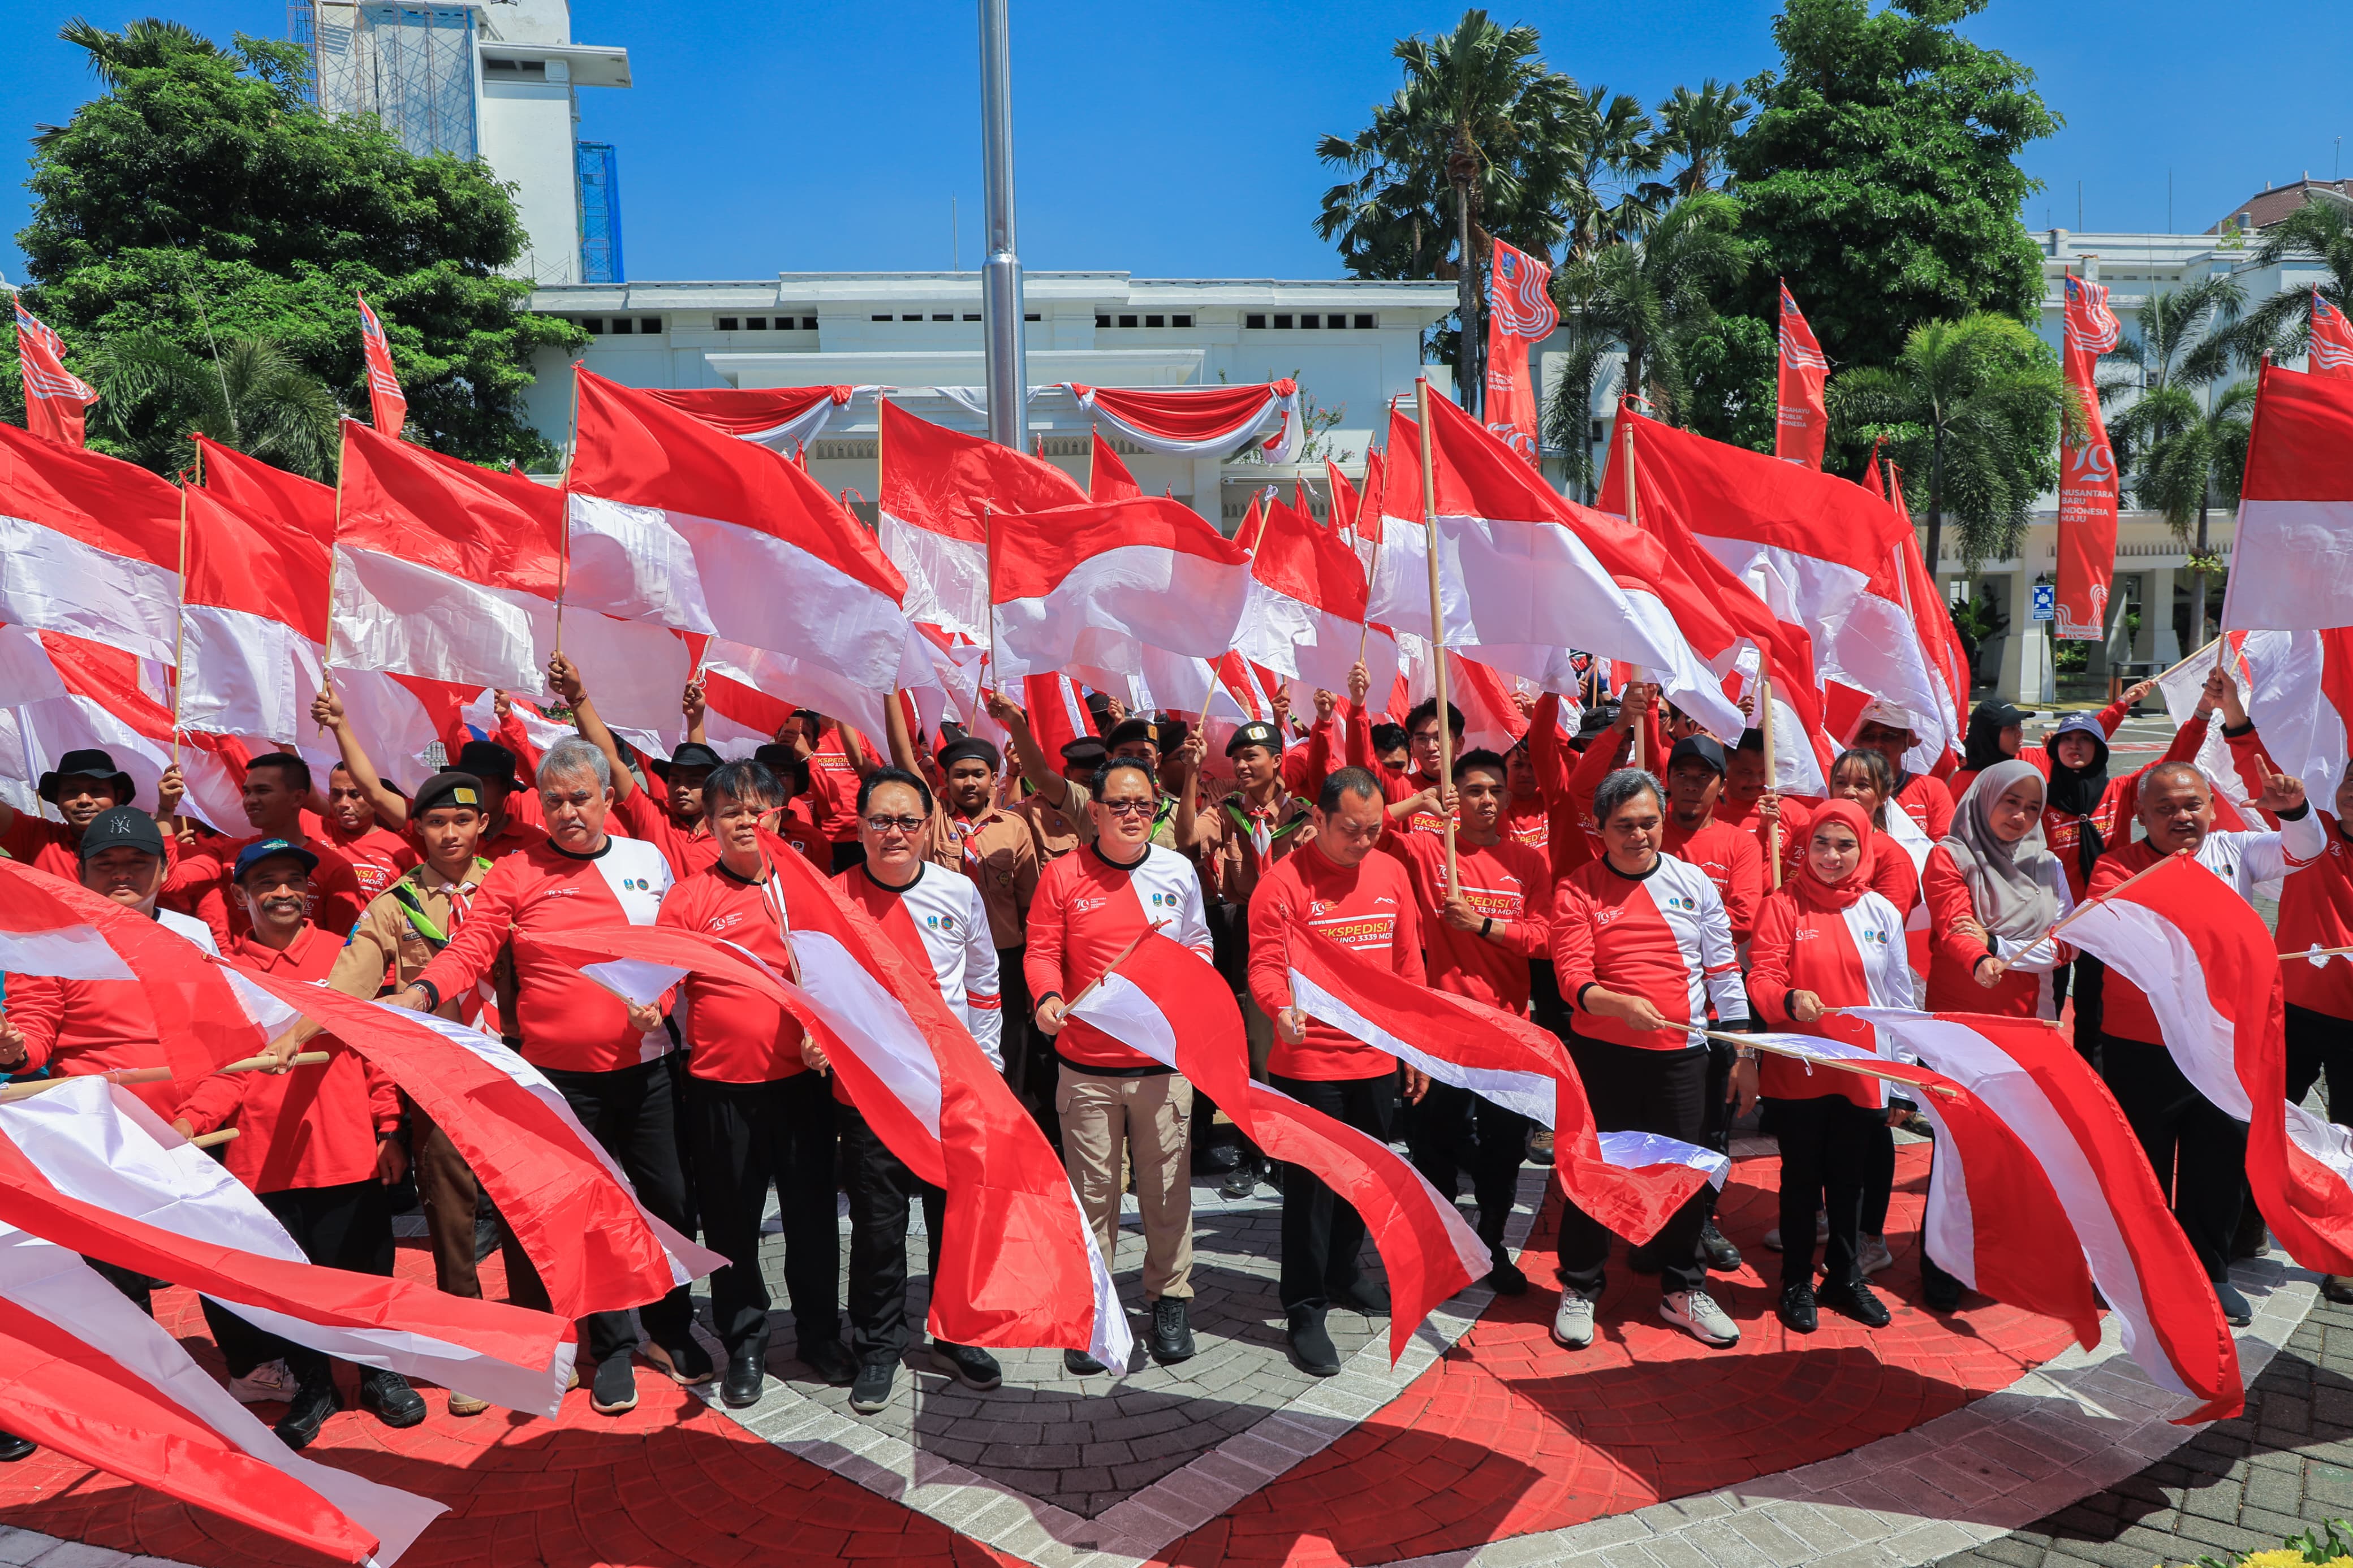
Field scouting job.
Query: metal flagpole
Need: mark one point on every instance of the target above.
(1436, 626)
(1765, 725)
(1001, 274)
(180, 635)
(1641, 730)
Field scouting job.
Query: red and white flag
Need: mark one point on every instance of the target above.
(1932, 617)
(388, 406)
(1492, 718)
(2088, 481)
(89, 546)
(2211, 972)
(1344, 496)
(2292, 565)
(1201, 421)
(2330, 351)
(257, 490)
(1305, 618)
(55, 397)
(2299, 691)
(2047, 1095)
(783, 419)
(253, 622)
(939, 490)
(1520, 315)
(1107, 476)
(1801, 417)
(1164, 1000)
(84, 1371)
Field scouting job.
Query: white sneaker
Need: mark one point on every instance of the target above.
(1572, 1325)
(1873, 1256)
(264, 1382)
(1697, 1313)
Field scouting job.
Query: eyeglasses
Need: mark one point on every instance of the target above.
(903, 824)
(1127, 807)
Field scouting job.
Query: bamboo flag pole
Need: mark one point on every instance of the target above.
(1641, 728)
(213, 1140)
(2318, 952)
(2089, 904)
(10, 1093)
(180, 635)
(988, 572)
(1772, 828)
(1437, 628)
(1845, 1063)
(327, 650)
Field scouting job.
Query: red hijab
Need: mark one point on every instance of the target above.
(1808, 887)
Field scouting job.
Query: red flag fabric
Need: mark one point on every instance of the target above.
(1305, 618)
(89, 546)
(1107, 476)
(1058, 711)
(2087, 472)
(1801, 419)
(1940, 641)
(2210, 969)
(1344, 496)
(386, 405)
(1164, 1001)
(2292, 566)
(1201, 421)
(783, 419)
(55, 397)
(2050, 1097)
(2330, 349)
(257, 490)
(1520, 314)
(940, 486)
(253, 622)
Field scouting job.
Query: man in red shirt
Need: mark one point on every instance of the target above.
(276, 785)
(1410, 795)
(757, 1110)
(791, 821)
(511, 819)
(1887, 731)
(673, 824)
(1338, 886)
(85, 783)
(838, 767)
(378, 855)
(1480, 937)
(606, 1056)
(317, 1145)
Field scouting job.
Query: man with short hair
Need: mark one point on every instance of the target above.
(509, 819)
(378, 854)
(1064, 794)
(1337, 886)
(674, 824)
(1750, 804)
(84, 784)
(277, 783)
(1411, 795)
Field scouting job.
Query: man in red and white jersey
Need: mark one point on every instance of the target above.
(756, 1110)
(936, 918)
(276, 786)
(671, 818)
(1480, 936)
(604, 1054)
(1887, 730)
(1643, 947)
(1335, 885)
(1089, 908)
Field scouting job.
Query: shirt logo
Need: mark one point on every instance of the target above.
(1603, 917)
(724, 922)
(1875, 935)
(1682, 901)
(561, 892)
(1383, 898)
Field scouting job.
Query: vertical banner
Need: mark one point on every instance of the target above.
(1520, 311)
(55, 397)
(1801, 421)
(386, 405)
(2331, 350)
(2087, 473)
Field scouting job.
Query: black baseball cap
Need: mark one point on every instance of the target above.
(692, 754)
(489, 762)
(1258, 732)
(1703, 747)
(970, 746)
(121, 828)
(86, 762)
(261, 849)
(2000, 714)
(448, 789)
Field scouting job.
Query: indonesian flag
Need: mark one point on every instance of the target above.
(574, 1214)
(2087, 471)
(2299, 691)
(451, 573)
(386, 406)
(1630, 1182)
(1057, 708)
(1107, 476)
(1305, 618)
(1801, 417)
(1940, 641)
(1344, 494)
(1525, 574)
(783, 419)
(1520, 314)
(675, 524)
(2046, 1094)
(1201, 421)
(55, 397)
(939, 490)
(2233, 802)
(2292, 568)
(1164, 1001)
(2211, 971)
(84, 1371)
(89, 546)
(253, 622)
(257, 490)
(2330, 351)
(1492, 718)
(1094, 586)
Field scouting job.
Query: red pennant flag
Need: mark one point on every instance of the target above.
(1344, 497)
(2087, 472)
(55, 397)
(387, 407)
(2330, 349)
(1107, 476)
(1801, 419)
(1520, 314)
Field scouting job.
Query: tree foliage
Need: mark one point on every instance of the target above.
(2319, 231)
(200, 200)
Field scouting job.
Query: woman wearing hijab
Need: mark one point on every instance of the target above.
(1868, 780)
(1997, 733)
(1825, 940)
(1994, 891)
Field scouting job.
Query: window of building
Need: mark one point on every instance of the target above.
(1335, 322)
(1282, 324)
(1032, 316)
(650, 325)
(1366, 322)
(911, 318)
(1127, 321)
(974, 316)
(878, 318)
(1258, 321)
(1101, 320)
(808, 323)
(595, 324)
(1309, 322)
(783, 323)
(755, 324)
(620, 326)
(1156, 321)
(536, 69)
(728, 323)
(944, 316)
(1180, 321)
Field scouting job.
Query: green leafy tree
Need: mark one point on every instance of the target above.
(1879, 176)
(1615, 154)
(200, 199)
(1697, 131)
(1733, 365)
(1973, 410)
(253, 396)
(2318, 231)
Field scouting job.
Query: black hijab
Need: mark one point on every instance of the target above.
(2077, 792)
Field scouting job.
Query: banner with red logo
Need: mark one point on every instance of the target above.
(1520, 311)
(1801, 420)
(2087, 473)
(2331, 350)
(55, 397)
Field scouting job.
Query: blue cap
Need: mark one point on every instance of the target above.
(261, 849)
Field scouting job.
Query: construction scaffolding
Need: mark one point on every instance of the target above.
(599, 175)
(412, 67)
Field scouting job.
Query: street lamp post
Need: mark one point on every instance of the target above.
(1000, 276)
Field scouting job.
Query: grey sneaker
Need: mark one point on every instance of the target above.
(1873, 1255)
(1697, 1313)
(1572, 1324)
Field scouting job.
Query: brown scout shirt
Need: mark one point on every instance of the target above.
(387, 939)
(1232, 860)
(996, 849)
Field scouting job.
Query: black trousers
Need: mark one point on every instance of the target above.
(881, 1186)
(1636, 1090)
(1321, 1232)
(1545, 1003)
(2084, 981)
(742, 1138)
(1826, 1142)
(631, 1112)
(1720, 1056)
(1453, 1130)
(2199, 1153)
(1878, 1177)
(2317, 1045)
(344, 1227)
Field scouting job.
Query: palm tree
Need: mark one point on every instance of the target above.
(2198, 463)
(1697, 130)
(150, 41)
(1478, 135)
(1614, 151)
(1975, 407)
(252, 394)
(2282, 325)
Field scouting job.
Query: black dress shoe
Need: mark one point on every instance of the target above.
(309, 1410)
(2236, 1310)
(1505, 1279)
(1241, 1181)
(745, 1373)
(387, 1396)
(1939, 1291)
(1857, 1300)
(1079, 1364)
(13, 1448)
(1172, 1331)
(872, 1392)
(1367, 1296)
(1216, 1159)
(1722, 1257)
(968, 1365)
(615, 1387)
(1311, 1348)
(832, 1360)
(1797, 1308)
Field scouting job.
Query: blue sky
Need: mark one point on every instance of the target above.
(1178, 139)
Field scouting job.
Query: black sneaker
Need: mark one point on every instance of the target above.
(387, 1396)
(745, 1373)
(872, 1392)
(2338, 1287)
(1079, 1364)
(968, 1365)
(1367, 1296)
(1505, 1279)
(615, 1386)
(1311, 1348)
(1857, 1300)
(1241, 1181)
(1797, 1308)
(684, 1363)
(1722, 1257)
(312, 1404)
(13, 1448)
(832, 1360)
(1172, 1331)
(2236, 1311)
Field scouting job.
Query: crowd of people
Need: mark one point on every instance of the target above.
(1636, 889)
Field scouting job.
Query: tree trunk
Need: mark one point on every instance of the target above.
(1936, 499)
(1467, 387)
(2197, 579)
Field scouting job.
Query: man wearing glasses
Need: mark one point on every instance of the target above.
(936, 918)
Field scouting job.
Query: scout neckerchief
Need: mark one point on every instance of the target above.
(462, 900)
(1255, 820)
